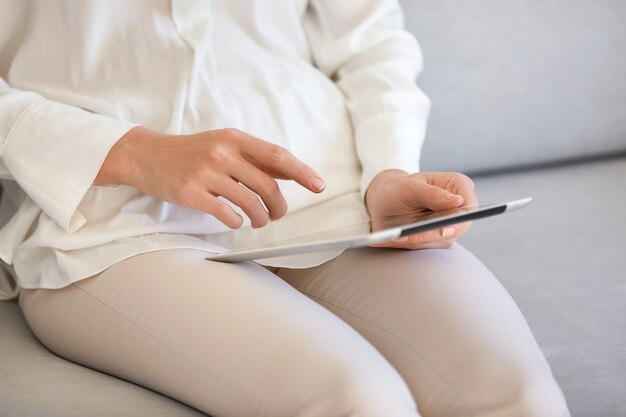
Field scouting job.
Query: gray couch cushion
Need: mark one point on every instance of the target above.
(563, 258)
(36, 383)
(521, 82)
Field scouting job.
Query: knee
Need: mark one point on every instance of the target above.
(358, 392)
(538, 396)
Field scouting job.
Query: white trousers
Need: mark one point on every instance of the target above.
(372, 333)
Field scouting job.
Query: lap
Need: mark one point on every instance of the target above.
(228, 339)
(372, 330)
(442, 319)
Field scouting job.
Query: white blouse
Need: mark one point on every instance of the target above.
(332, 81)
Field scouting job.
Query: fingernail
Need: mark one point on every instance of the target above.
(448, 231)
(450, 196)
(401, 239)
(318, 184)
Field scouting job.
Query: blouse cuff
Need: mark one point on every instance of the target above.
(54, 152)
(389, 141)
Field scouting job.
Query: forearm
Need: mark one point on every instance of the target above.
(375, 63)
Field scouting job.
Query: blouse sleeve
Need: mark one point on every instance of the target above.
(363, 46)
(53, 151)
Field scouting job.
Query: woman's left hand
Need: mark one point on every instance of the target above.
(398, 193)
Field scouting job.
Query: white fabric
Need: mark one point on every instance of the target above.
(334, 82)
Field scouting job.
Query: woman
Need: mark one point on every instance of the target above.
(137, 137)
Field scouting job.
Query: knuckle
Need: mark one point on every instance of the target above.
(232, 132)
(280, 211)
(468, 181)
(272, 188)
(251, 205)
(420, 238)
(250, 201)
(258, 217)
(277, 153)
(303, 172)
(464, 179)
(220, 154)
(228, 137)
(221, 211)
(262, 221)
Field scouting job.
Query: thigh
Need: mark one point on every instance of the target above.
(445, 322)
(228, 339)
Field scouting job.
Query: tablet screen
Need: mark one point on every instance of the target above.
(365, 232)
(410, 223)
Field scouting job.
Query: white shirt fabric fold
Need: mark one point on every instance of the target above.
(333, 82)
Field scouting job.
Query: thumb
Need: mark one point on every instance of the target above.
(435, 198)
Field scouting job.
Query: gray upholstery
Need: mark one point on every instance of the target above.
(35, 382)
(563, 259)
(521, 82)
(513, 83)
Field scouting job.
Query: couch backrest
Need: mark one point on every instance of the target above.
(518, 82)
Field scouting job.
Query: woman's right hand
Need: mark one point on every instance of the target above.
(193, 170)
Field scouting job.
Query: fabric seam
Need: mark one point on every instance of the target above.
(23, 114)
(404, 343)
(176, 353)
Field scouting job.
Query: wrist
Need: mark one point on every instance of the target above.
(382, 175)
(120, 163)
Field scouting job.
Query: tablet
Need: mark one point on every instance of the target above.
(364, 233)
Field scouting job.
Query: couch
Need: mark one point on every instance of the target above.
(530, 100)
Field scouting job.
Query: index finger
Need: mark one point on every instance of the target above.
(272, 159)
